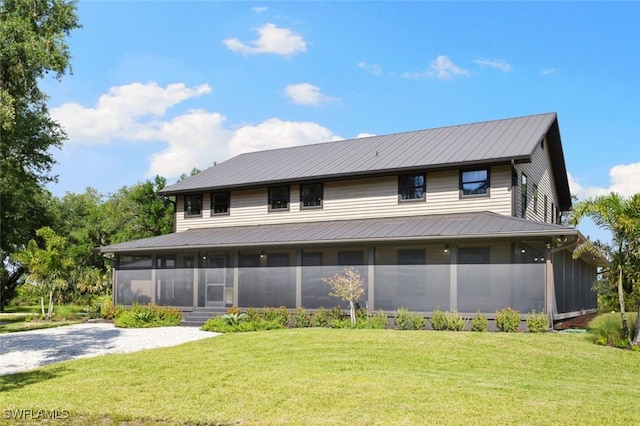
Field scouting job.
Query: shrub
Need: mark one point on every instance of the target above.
(151, 315)
(364, 319)
(607, 329)
(450, 321)
(336, 313)
(234, 318)
(508, 320)
(376, 321)
(405, 320)
(537, 322)
(437, 319)
(107, 310)
(342, 323)
(320, 318)
(253, 314)
(480, 323)
(221, 324)
(233, 310)
(301, 318)
(280, 315)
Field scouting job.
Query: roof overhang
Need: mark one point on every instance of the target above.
(429, 228)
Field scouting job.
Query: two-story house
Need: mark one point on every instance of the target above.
(463, 218)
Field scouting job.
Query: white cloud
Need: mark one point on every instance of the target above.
(195, 139)
(441, 68)
(306, 94)
(272, 39)
(624, 179)
(496, 63)
(260, 9)
(371, 68)
(276, 133)
(547, 71)
(444, 69)
(125, 112)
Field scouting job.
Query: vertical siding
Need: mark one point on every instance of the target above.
(538, 172)
(357, 199)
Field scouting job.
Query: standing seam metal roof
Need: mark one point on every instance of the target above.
(477, 143)
(430, 227)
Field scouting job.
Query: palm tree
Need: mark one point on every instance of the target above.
(47, 267)
(621, 216)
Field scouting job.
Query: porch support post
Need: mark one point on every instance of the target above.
(371, 270)
(298, 278)
(154, 285)
(236, 278)
(549, 289)
(453, 277)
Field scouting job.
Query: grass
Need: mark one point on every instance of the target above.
(25, 318)
(354, 377)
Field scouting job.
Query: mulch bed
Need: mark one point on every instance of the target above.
(577, 322)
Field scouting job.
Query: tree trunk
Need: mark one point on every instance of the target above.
(50, 311)
(623, 313)
(636, 338)
(42, 305)
(352, 312)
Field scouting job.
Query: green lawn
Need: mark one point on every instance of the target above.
(24, 318)
(350, 377)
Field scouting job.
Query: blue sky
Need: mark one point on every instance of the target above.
(162, 87)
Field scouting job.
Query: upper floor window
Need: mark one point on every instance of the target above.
(535, 198)
(193, 205)
(523, 195)
(220, 202)
(279, 198)
(474, 182)
(311, 195)
(411, 187)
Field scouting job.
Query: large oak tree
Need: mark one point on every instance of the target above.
(32, 45)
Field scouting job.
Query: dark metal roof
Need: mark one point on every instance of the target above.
(487, 142)
(431, 227)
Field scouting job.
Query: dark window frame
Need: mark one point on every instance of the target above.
(187, 213)
(217, 206)
(135, 261)
(535, 198)
(165, 261)
(320, 200)
(471, 193)
(276, 203)
(412, 189)
(524, 182)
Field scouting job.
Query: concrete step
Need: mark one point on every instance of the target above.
(200, 315)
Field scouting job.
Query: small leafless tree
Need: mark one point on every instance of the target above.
(348, 287)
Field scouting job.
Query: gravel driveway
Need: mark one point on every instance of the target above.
(27, 350)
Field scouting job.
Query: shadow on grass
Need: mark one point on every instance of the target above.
(47, 346)
(16, 381)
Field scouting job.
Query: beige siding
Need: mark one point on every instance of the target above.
(357, 199)
(539, 173)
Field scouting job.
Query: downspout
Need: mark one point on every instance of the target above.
(550, 290)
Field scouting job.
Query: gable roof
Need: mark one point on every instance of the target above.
(484, 143)
(480, 225)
